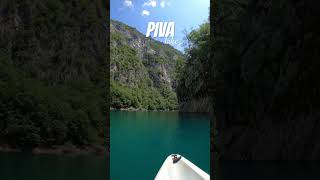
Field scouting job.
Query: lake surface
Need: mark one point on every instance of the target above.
(25, 166)
(141, 141)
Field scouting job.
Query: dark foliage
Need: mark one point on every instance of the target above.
(265, 66)
(53, 72)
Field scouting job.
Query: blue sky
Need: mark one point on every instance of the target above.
(187, 14)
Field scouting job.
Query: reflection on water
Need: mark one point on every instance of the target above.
(269, 170)
(25, 166)
(141, 141)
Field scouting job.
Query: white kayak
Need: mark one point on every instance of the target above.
(176, 167)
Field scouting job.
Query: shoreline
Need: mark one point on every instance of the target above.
(58, 150)
(145, 110)
(131, 109)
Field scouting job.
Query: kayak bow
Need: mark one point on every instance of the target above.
(176, 167)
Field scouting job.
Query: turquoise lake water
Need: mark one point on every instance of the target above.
(25, 166)
(141, 141)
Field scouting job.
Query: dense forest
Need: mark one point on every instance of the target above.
(264, 69)
(143, 72)
(146, 74)
(193, 76)
(53, 73)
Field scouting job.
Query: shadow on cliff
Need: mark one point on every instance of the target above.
(265, 69)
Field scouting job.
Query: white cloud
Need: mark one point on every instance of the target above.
(152, 3)
(128, 3)
(163, 4)
(145, 13)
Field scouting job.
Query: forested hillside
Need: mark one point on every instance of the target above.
(143, 72)
(265, 76)
(53, 72)
(193, 74)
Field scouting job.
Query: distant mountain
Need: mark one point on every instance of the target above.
(143, 71)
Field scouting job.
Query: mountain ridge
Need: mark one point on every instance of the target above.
(142, 70)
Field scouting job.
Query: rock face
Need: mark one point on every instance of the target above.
(266, 87)
(139, 64)
(147, 51)
(201, 105)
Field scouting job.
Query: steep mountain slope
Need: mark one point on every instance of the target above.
(52, 72)
(142, 71)
(192, 88)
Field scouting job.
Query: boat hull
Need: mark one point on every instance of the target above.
(180, 170)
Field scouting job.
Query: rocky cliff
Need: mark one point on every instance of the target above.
(202, 105)
(142, 70)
